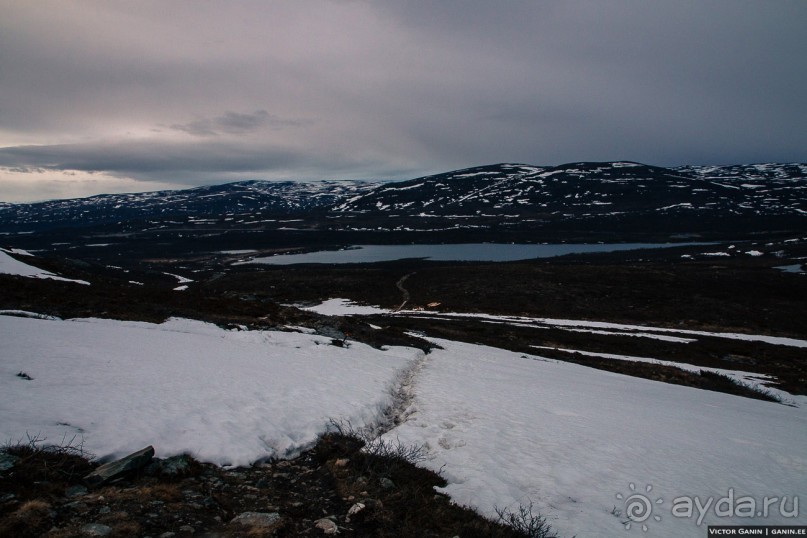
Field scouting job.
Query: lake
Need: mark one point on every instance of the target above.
(482, 252)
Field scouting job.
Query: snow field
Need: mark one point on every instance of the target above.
(507, 430)
(503, 428)
(227, 397)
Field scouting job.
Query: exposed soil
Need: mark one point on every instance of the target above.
(332, 486)
(740, 297)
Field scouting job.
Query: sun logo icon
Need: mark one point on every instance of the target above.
(639, 507)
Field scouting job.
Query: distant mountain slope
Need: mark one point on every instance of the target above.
(589, 189)
(626, 193)
(285, 198)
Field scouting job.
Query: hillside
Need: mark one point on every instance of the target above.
(587, 189)
(617, 198)
(555, 384)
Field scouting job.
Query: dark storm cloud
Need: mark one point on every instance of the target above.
(179, 162)
(666, 82)
(143, 157)
(236, 123)
(316, 88)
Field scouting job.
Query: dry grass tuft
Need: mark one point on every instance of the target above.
(32, 518)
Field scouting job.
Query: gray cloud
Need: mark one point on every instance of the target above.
(317, 88)
(235, 123)
(188, 162)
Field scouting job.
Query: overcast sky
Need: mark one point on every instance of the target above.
(113, 96)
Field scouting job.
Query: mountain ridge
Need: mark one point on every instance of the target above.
(499, 193)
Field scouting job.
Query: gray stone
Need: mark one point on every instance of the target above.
(330, 332)
(187, 528)
(153, 468)
(354, 511)
(175, 466)
(7, 461)
(95, 529)
(386, 483)
(116, 469)
(373, 504)
(257, 519)
(75, 491)
(327, 526)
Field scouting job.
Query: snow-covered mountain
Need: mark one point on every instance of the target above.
(586, 190)
(271, 198)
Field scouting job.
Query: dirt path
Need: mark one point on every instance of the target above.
(404, 291)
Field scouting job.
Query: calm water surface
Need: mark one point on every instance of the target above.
(492, 252)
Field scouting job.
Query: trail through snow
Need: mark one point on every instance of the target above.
(228, 397)
(504, 428)
(507, 429)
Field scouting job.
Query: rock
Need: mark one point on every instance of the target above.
(104, 510)
(153, 468)
(355, 510)
(341, 462)
(187, 528)
(386, 483)
(168, 534)
(262, 520)
(327, 526)
(7, 461)
(373, 505)
(77, 506)
(95, 529)
(330, 332)
(75, 491)
(175, 466)
(116, 469)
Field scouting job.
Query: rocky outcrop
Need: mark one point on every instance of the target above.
(117, 469)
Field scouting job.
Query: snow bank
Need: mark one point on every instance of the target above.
(11, 266)
(511, 430)
(228, 397)
(344, 307)
(571, 324)
(750, 379)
